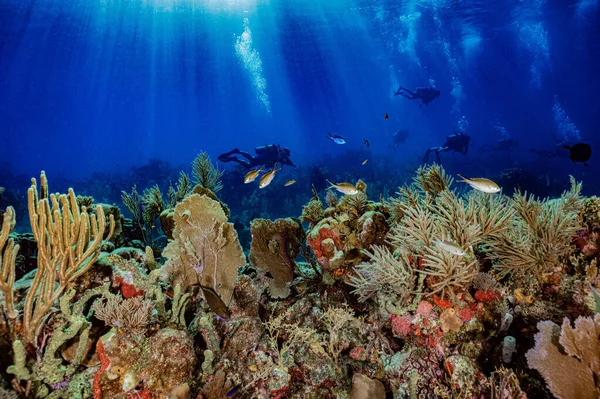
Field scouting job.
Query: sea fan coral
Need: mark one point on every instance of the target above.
(205, 249)
(582, 358)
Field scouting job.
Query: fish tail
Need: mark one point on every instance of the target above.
(332, 185)
(464, 179)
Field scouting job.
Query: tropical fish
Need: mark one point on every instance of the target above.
(580, 152)
(451, 246)
(336, 139)
(233, 390)
(386, 117)
(267, 178)
(215, 302)
(344, 188)
(365, 161)
(289, 183)
(252, 175)
(366, 143)
(481, 184)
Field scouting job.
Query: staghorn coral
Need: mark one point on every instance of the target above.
(275, 246)
(205, 249)
(206, 174)
(578, 355)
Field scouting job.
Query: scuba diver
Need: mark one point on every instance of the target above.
(425, 94)
(557, 151)
(500, 145)
(265, 155)
(457, 142)
(399, 138)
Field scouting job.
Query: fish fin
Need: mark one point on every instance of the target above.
(567, 147)
(464, 179)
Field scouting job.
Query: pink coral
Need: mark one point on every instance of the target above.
(401, 326)
(425, 308)
(466, 314)
(358, 353)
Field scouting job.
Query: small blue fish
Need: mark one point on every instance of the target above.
(233, 390)
(336, 139)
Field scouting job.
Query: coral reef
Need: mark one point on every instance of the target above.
(429, 294)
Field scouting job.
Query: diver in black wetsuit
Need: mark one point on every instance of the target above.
(457, 142)
(500, 145)
(425, 94)
(265, 155)
(555, 152)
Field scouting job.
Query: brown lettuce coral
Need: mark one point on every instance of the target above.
(275, 245)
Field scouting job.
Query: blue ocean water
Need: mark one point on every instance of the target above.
(106, 94)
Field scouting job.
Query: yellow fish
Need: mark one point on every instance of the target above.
(289, 183)
(481, 184)
(252, 175)
(267, 178)
(344, 188)
(365, 161)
